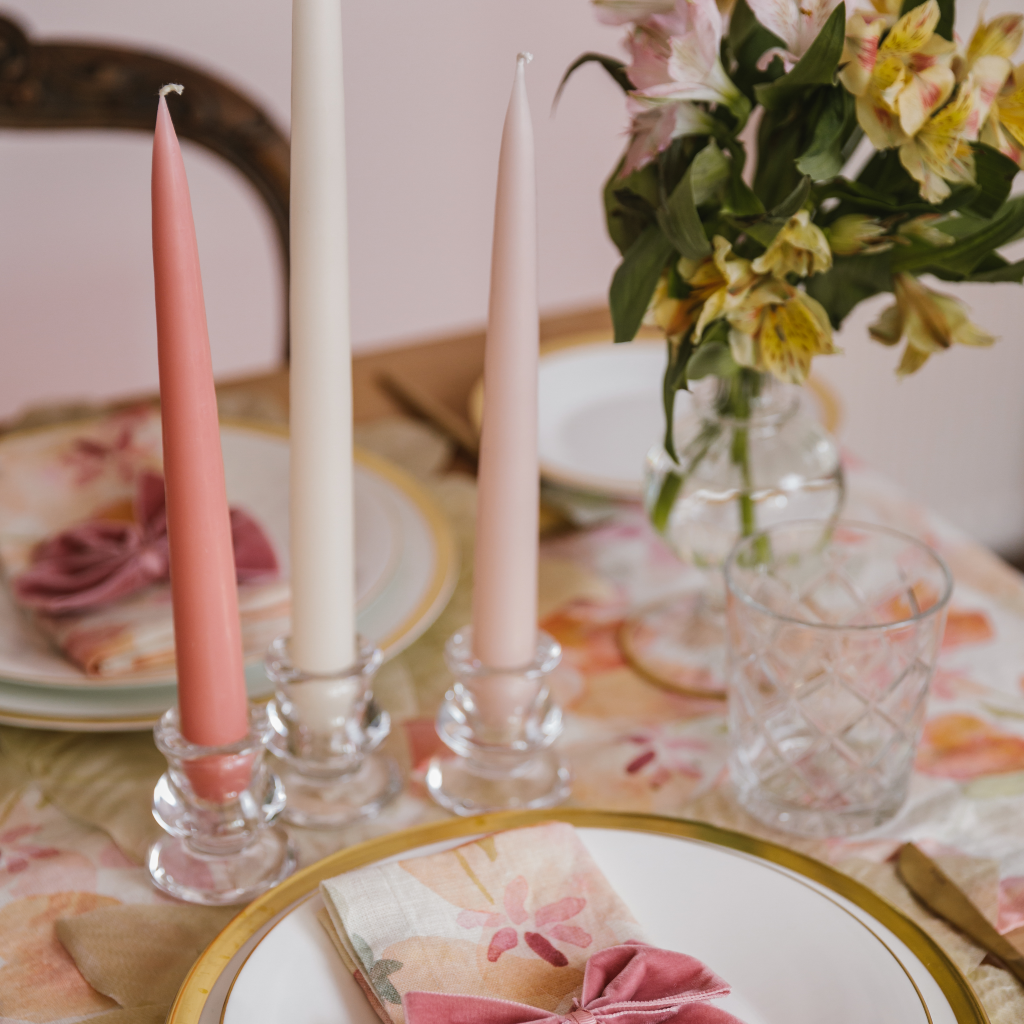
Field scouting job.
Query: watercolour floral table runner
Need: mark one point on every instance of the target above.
(75, 902)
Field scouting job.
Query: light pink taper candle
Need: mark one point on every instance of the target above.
(505, 577)
(207, 634)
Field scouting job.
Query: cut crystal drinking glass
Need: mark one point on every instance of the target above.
(833, 633)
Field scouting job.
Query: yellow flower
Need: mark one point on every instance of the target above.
(987, 62)
(923, 228)
(1004, 129)
(890, 7)
(902, 81)
(940, 152)
(799, 248)
(734, 279)
(778, 328)
(930, 321)
(856, 233)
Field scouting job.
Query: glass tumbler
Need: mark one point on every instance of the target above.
(833, 635)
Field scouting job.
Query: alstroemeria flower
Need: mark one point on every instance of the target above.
(723, 278)
(930, 321)
(796, 22)
(799, 248)
(655, 123)
(857, 234)
(675, 316)
(902, 81)
(693, 66)
(923, 228)
(779, 329)
(940, 152)
(987, 62)
(1004, 129)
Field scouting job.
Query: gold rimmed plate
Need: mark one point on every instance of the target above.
(406, 570)
(799, 941)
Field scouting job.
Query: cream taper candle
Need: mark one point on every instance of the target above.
(505, 576)
(322, 542)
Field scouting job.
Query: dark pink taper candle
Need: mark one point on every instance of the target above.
(208, 642)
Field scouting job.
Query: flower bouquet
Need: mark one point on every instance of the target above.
(749, 260)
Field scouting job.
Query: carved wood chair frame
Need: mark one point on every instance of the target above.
(62, 84)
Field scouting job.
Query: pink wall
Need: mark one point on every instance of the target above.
(427, 88)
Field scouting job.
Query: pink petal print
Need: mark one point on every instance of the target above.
(515, 899)
(571, 934)
(639, 762)
(545, 950)
(504, 939)
(560, 911)
(478, 919)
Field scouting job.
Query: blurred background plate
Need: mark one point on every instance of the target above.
(406, 569)
(600, 410)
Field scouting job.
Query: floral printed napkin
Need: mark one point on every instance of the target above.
(515, 915)
(55, 478)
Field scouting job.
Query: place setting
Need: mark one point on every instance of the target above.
(292, 728)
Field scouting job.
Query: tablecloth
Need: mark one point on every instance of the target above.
(74, 808)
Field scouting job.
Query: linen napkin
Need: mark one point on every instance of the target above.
(515, 915)
(52, 482)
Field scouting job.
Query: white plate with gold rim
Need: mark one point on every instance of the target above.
(600, 410)
(799, 942)
(406, 569)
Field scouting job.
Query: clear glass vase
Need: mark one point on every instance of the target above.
(749, 456)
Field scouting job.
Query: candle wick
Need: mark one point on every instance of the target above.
(172, 87)
(524, 58)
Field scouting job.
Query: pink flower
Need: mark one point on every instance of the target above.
(796, 22)
(548, 923)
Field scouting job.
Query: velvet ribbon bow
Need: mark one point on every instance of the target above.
(629, 984)
(103, 560)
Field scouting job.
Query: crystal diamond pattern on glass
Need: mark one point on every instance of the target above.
(832, 644)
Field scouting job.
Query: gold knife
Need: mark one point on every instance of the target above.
(943, 897)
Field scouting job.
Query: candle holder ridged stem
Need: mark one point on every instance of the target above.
(217, 806)
(500, 724)
(326, 728)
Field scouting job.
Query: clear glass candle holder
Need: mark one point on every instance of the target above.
(501, 725)
(217, 806)
(325, 731)
(833, 635)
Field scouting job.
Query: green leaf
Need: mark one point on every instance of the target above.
(630, 204)
(963, 256)
(678, 215)
(679, 353)
(666, 499)
(614, 67)
(947, 13)
(739, 199)
(994, 174)
(794, 201)
(711, 359)
(635, 280)
(1009, 272)
(851, 280)
(748, 39)
(834, 122)
(816, 67)
(779, 144)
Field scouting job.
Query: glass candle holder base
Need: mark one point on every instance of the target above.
(500, 724)
(467, 789)
(342, 800)
(217, 806)
(325, 728)
(180, 871)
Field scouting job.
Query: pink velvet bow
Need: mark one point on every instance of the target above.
(103, 560)
(629, 984)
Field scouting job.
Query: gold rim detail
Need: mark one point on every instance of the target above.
(192, 997)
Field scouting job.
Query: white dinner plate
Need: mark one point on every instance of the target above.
(799, 942)
(600, 410)
(406, 569)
